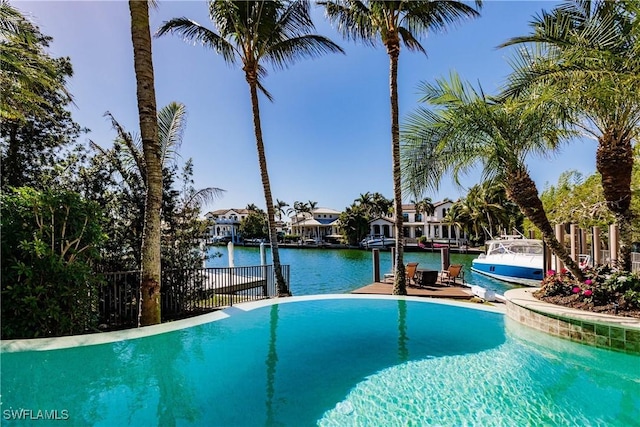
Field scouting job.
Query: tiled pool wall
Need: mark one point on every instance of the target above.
(590, 333)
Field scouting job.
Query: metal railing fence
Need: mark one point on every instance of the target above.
(185, 293)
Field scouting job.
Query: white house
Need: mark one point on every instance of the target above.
(318, 225)
(225, 223)
(418, 224)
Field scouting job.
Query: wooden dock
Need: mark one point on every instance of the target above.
(428, 291)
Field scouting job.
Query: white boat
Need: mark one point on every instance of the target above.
(381, 242)
(512, 259)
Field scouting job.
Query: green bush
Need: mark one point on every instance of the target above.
(49, 243)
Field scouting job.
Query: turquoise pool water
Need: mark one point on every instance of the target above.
(339, 361)
(322, 271)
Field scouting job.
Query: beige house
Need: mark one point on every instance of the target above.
(418, 224)
(318, 225)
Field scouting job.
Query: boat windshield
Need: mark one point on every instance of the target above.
(516, 247)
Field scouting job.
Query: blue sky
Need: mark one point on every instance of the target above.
(327, 133)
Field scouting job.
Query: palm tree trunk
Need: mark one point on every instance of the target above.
(400, 284)
(143, 63)
(614, 161)
(522, 191)
(281, 286)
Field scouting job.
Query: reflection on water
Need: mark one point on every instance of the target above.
(324, 271)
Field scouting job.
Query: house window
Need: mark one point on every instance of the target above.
(405, 217)
(418, 232)
(418, 217)
(444, 212)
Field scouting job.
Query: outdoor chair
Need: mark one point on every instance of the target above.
(411, 271)
(450, 275)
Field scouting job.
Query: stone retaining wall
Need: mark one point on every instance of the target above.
(593, 331)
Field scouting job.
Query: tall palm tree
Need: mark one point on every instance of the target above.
(584, 55)
(393, 22)
(146, 94)
(253, 33)
(466, 128)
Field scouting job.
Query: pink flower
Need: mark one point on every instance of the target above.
(588, 282)
(576, 289)
(551, 272)
(587, 293)
(564, 271)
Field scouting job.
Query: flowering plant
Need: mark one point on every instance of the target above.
(602, 286)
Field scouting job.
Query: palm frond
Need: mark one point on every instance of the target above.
(172, 121)
(353, 19)
(203, 197)
(195, 33)
(289, 51)
(133, 155)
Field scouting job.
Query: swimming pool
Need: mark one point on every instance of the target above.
(334, 360)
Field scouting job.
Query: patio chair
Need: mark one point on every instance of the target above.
(411, 271)
(450, 275)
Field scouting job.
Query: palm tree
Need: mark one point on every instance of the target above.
(424, 206)
(392, 22)
(253, 33)
(467, 128)
(280, 209)
(585, 57)
(27, 73)
(146, 94)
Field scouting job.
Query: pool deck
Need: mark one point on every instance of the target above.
(429, 291)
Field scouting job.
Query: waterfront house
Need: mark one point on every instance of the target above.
(224, 224)
(417, 224)
(321, 224)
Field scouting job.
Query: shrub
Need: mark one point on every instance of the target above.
(602, 286)
(49, 242)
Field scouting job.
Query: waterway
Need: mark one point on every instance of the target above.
(329, 271)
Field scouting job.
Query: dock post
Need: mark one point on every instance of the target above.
(596, 253)
(560, 237)
(614, 244)
(574, 242)
(376, 265)
(230, 251)
(444, 258)
(263, 263)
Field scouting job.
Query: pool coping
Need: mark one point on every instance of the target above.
(595, 329)
(56, 343)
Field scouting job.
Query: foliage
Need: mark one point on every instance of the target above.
(462, 128)
(581, 59)
(35, 122)
(255, 225)
(354, 223)
(575, 199)
(601, 286)
(485, 209)
(50, 243)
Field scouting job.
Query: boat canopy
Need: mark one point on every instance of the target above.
(515, 247)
